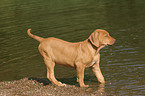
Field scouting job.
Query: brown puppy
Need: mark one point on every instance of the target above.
(77, 55)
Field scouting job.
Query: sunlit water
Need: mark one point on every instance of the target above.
(122, 64)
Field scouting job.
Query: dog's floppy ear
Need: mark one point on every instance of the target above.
(94, 38)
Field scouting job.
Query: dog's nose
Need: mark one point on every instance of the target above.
(114, 40)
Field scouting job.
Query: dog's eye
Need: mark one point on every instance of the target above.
(106, 35)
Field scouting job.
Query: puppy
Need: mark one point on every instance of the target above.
(76, 55)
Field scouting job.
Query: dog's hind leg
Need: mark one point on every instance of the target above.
(50, 72)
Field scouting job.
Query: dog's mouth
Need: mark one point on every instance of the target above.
(108, 45)
(111, 43)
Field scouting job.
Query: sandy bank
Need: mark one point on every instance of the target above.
(41, 87)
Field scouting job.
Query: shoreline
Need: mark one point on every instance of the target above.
(42, 87)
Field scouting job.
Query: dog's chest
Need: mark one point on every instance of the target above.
(93, 61)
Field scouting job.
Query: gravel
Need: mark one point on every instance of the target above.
(42, 87)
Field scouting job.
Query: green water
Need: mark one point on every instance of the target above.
(123, 64)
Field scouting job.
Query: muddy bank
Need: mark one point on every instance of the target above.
(42, 87)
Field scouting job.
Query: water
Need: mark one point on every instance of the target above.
(122, 64)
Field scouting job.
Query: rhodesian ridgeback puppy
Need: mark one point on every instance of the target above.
(78, 55)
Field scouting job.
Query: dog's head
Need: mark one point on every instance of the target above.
(101, 38)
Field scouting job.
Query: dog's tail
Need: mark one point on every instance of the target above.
(34, 36)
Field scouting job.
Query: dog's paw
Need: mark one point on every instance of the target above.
(84, 86)
(62, 84)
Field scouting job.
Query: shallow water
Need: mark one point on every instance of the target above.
(122, 64)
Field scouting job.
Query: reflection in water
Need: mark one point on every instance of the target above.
(100, 90)
(122, 64)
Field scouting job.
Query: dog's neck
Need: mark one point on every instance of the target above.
(95, 48)
(99, 49)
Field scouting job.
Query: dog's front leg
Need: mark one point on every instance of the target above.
(96, 69)
(80, 75)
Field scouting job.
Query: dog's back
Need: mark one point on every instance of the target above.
(62, 52)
